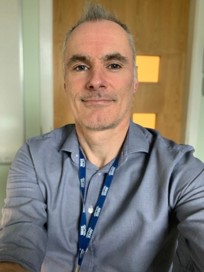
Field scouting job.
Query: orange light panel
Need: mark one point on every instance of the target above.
(147, 120)
(148, 68)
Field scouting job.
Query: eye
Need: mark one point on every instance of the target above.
(81, 67)
(114, 66)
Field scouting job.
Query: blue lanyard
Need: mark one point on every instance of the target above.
(86, 232)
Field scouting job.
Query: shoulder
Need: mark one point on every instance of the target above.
(46, 145)
(154, 140)
(52, 139)
(43, 153)
(161, 149)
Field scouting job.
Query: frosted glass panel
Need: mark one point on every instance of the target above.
(148, 68)
(11, 96)
(147, 120)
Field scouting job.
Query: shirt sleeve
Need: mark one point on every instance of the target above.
(23, 235)
(187, 197)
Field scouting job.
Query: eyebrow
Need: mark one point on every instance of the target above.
(77, 58)
(115, 56)
(85, 59)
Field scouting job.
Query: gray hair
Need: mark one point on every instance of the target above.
(95, 12)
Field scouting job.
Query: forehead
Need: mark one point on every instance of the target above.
(98, 37)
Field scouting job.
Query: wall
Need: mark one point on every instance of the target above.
(200, 141)
(36, 28)
(29, 17)
(11, 88)
(195, 120)
(200, 72)
(31, 66)
(3, 175)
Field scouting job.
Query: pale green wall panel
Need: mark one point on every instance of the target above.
(3, 177)
(31, 78)
(195, 118)
(200, 145)
(31, 52)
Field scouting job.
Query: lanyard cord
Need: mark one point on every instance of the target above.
(86, 232)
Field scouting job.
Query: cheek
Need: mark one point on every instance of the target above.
(70, 99)
(69, 90)
(128, 90)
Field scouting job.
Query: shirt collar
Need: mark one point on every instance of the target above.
(136, 140)
(71, 143)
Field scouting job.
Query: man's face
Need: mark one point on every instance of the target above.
(99, 75)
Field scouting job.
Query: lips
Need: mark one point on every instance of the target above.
(96, 100)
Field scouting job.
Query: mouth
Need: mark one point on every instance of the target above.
(97, 101)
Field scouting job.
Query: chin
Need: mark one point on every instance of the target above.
(101, 126)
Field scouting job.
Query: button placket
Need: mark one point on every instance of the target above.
(94, 185)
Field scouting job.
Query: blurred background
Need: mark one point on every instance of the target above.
(170, 57)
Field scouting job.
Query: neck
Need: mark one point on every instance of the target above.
(101, 147)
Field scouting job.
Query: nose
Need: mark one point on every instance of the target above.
(96, 79)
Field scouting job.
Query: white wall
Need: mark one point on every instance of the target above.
(46, 65)
(195, 119)
(11, 80)
(26, 94)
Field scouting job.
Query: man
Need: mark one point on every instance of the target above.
(104, 195)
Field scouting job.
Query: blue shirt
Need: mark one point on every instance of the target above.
(156, 199)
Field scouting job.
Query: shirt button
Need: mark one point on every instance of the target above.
(90, 210)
